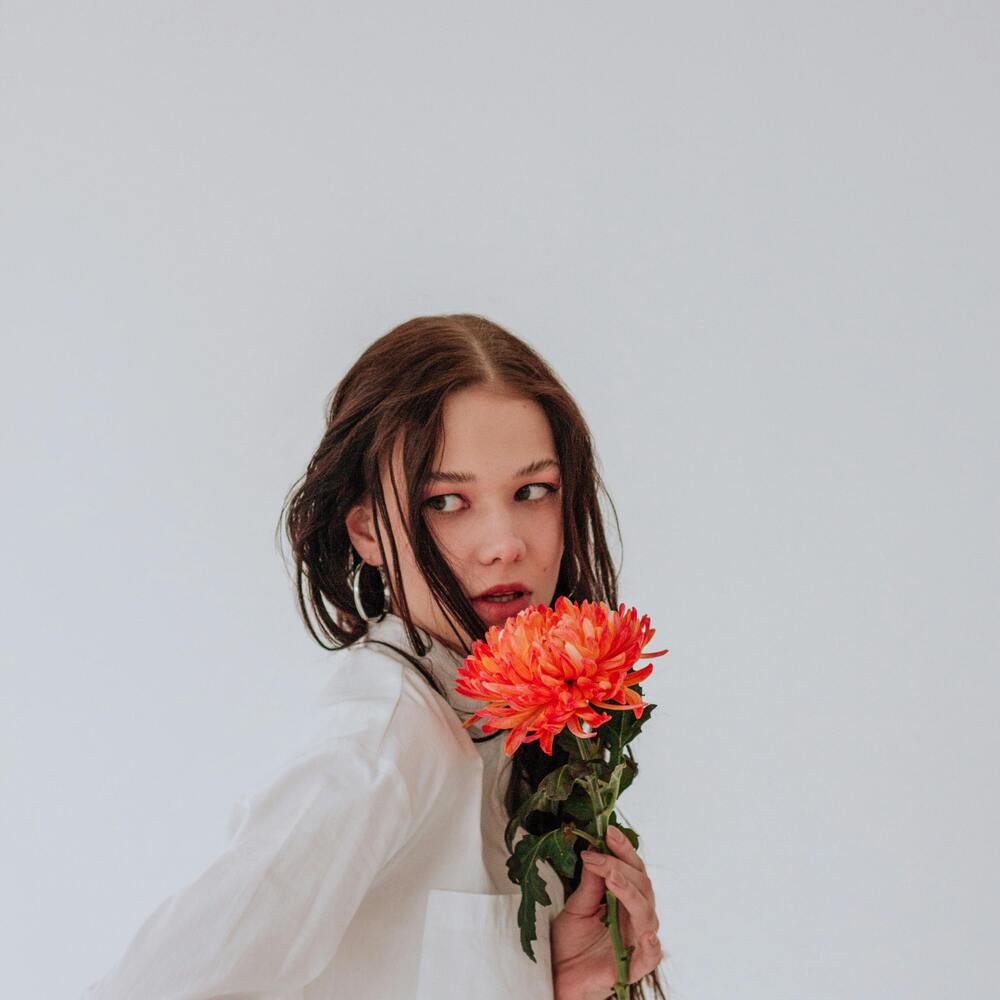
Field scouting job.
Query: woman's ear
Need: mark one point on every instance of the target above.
(360, 528)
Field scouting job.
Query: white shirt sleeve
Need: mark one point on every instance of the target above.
(267, 915)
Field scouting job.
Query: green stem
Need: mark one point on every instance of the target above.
(602, 817)
(589, 749)
(622, 954)
(586, 836)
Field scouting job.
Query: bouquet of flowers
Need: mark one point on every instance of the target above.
(544, 674)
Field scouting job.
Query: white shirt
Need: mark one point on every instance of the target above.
(370, 865)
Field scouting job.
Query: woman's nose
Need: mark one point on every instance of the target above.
(502, 541)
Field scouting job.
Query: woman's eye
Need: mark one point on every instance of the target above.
(433, 502)
(546, 489)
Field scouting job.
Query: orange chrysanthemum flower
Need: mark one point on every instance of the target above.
(545, 669)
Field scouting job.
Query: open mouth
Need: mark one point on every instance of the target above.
(503, 598)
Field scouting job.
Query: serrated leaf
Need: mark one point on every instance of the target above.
(578, 806)
(558, 784)
(554, 788)
(620, 730)
(531, 803)
(627, 775)
(556, 847)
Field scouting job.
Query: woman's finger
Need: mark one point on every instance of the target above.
(622, 848)
(624, 883)
(607, 865)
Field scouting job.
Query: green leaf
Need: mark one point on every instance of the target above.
(578, 805)
(627, 775)
(556, 847)
(622, 728)
(534, 801)
(554, 788)
(609, 789)
(567, 741)
(558, 784)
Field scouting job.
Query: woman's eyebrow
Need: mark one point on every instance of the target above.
(467, 477)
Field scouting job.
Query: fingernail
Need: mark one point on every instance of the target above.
(651, 939)
(616, 835)
(593, 858)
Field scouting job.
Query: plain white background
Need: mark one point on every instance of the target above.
(759, 244)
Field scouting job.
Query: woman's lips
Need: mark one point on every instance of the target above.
(496, 612)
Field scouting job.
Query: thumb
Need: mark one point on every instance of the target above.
(588, 896)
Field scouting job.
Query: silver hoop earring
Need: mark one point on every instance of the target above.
(356, 586)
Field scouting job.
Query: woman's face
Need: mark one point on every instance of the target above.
(495, 524)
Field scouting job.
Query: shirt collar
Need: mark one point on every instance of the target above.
(442, 662)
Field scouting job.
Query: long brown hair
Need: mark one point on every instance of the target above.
(396, 391)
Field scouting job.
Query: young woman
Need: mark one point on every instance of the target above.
(372, 865)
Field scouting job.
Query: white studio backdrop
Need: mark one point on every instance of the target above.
(759, 244)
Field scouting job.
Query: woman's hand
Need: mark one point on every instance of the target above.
(583, 958)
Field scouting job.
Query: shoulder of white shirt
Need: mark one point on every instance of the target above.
(379, 701)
